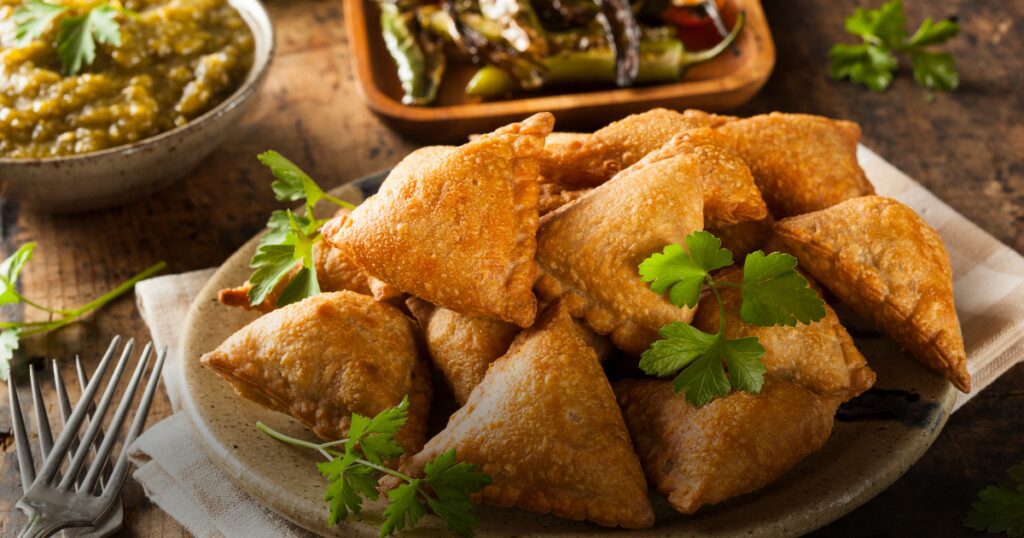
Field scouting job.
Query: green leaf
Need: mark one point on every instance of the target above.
(8, 345)
(885, 25)
(10, 269)
(704, 379)
(293, 184)
(775, 294)
(683, 272)
(32, 19)
(452, 483)
(864, 64)
(681, 344)
(930, 33)
(290, 239)
(270, 264)
(304, 284)
(376, 437)
(348, 483)
(935, 71)
(999, 509)
(743, 356)
(404, 509)
(78, 35)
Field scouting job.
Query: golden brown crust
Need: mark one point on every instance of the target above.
(591, 160)
(801, 163)
(728, 447)
(328, 356)
(746, 237)
(461, 347)
(460, 231)
(891, 267)
(556, 195)
(821, 356)
(545, 426)
(588, 251)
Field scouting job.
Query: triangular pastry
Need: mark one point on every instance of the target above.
(730, 446)
(545, 426)
(889, 266)
(458, 229)
(327, 356)
(588, 251)
(461, 347)
(821, 356)
(801, 163)
(589, 160)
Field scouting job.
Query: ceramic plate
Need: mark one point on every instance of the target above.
(877, 437)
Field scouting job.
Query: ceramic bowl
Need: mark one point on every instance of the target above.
(114, 176)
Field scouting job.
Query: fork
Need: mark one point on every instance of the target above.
(54, 501)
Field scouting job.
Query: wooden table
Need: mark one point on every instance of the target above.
(965, 147)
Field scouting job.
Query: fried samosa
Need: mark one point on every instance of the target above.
(588, 251)
(801, 163)
(459, 230)
(746, 237)
(821, 356)
(589, 160)
(334, 272)
(730, 446)
(461, 347)
(889, 266)
(545, 426)
(326, 357)
(554, 196)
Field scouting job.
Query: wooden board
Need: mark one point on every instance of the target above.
(724, 83)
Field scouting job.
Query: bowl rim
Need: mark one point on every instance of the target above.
(251, 11)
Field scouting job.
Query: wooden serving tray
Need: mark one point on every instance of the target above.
(721, 84)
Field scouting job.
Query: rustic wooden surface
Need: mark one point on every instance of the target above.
(966, 147)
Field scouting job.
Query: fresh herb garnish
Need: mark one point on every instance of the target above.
(1000, 509)
(12, 331)
(355, 464)
(883, 31)
(290, 238)
(77, 34)
(773, 294)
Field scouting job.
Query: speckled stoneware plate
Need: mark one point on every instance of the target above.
(876, 438)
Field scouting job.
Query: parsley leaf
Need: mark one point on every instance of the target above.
(404, 508)
(347, 485)
(775, 294)
(293, 184)
(681, 344)
(8, 345)
(376, 436)
(704, 380)
(883, 32)
(743, 356)
(10, 269)
(78, 35)
(32, 19)
(1000, 508)
(452, 483)
(682, 272)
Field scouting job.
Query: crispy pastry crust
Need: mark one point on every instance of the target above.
(459, 230)
(821, 356)
(589, 160)
(325, 357)
(545, 426)
(891, 267)
(588, 251)
(461, 347)
(801, 163)
(746, 237)
(728, 447)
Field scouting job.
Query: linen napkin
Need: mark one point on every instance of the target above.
(180, 479)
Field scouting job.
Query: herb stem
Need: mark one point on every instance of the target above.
(338, 202)
(384, 469)
(721, 306)
(321, 448)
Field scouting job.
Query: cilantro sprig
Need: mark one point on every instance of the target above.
(290, 238)
(873, 62)
(355, 464)
(773, 294)
(77, 34)
(11, 332)
(1000, 508)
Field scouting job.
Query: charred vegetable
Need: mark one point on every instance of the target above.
(661, 60)
(418, 54)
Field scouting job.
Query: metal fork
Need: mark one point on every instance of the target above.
(54, 501)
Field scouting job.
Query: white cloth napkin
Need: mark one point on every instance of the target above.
(180, 479)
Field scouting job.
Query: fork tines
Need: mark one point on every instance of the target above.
(56, 499)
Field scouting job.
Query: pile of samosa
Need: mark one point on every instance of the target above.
(509, 265)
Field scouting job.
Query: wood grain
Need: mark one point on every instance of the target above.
(966, 147)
